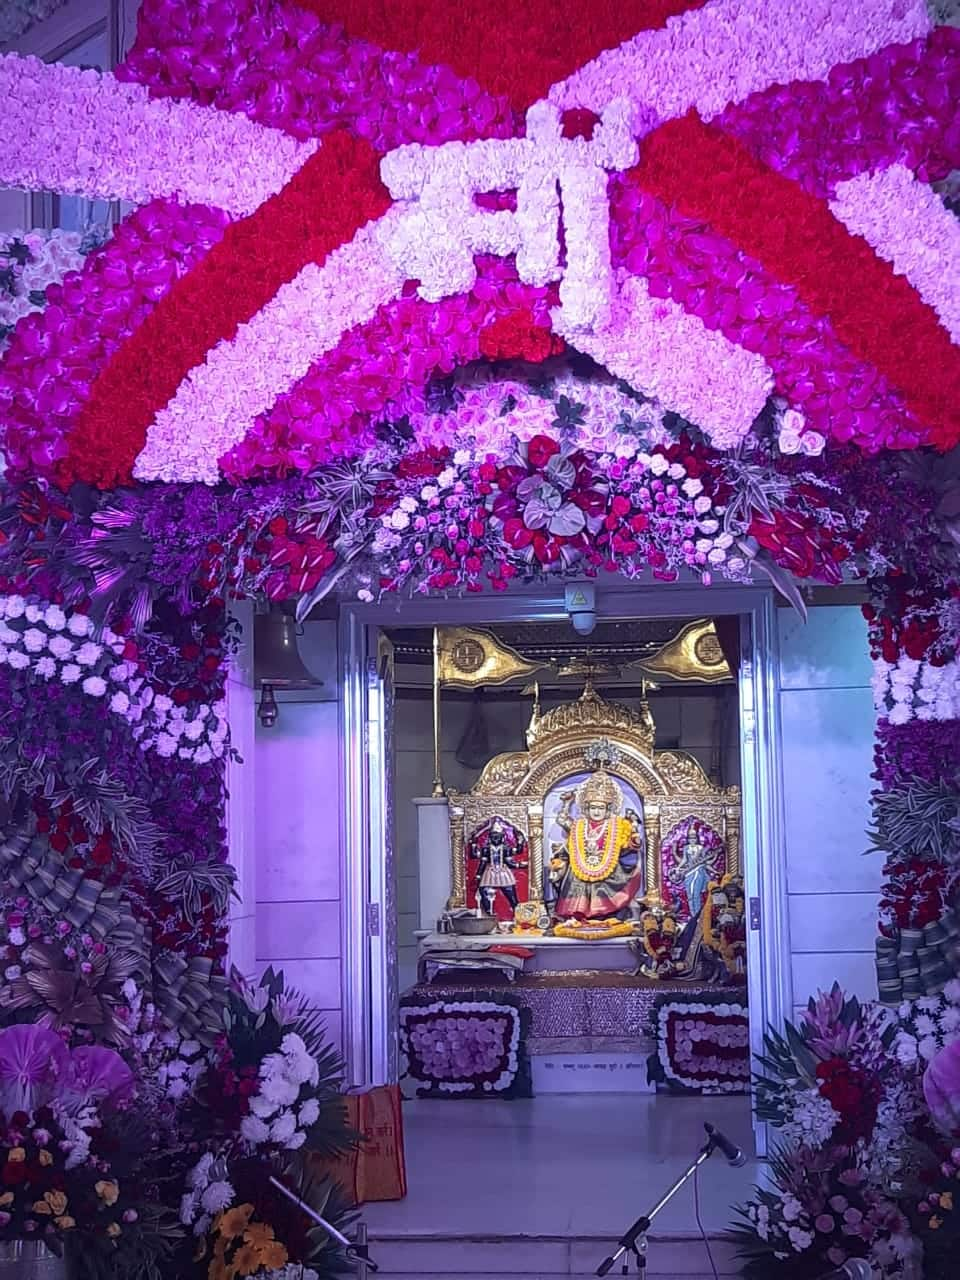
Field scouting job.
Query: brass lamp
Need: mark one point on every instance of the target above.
(277, 662)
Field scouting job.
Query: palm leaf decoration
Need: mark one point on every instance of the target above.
(919, 820)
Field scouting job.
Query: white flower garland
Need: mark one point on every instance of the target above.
(448, 1010)
(50, 644)
(730, 1075)
(911, 690)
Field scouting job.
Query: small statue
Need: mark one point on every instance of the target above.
(655, 949)
(725, 930)
(500, 851)
(693, 870)
(598, 873)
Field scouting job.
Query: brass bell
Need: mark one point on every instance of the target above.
(276, 662)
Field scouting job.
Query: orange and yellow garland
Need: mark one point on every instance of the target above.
(619, 835)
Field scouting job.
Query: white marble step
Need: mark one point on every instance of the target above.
(440, 1257)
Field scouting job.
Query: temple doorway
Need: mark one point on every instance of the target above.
(648, 744)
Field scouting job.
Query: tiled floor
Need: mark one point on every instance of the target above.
(546, 1180)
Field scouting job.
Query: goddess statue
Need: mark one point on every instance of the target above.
(693, 870)
(598, 873)
(500, 850)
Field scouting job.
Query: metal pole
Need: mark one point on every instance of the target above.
(438, 788)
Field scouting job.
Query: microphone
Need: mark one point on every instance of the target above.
(852, 1269)
(735, 1156)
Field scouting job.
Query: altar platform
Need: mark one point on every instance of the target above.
(542, 1187)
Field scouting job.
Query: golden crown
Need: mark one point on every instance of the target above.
(600, 788)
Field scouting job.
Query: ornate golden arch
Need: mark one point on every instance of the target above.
(563, 742)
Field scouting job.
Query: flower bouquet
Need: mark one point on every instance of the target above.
(73, 1159)
(268, 1101)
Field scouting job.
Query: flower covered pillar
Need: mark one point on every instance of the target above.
(913, 619)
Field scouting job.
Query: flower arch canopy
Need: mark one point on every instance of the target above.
(307, 254)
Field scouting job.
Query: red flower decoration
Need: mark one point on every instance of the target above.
(518, 336)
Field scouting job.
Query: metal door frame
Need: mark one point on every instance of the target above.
(366, 957)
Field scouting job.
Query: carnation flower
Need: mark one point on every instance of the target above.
(54, 618)
(120, 703)
(19, 661)
(70, 673)
(95, 686)
(60, 647)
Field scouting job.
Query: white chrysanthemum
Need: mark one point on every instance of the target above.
(280, 1090)
(95, 686)
(46, 668)
(925, 1025)
(199, 1175)
(929, 1004)
(297, 1141)
(254, 1131)
(34, 640)
(283, 1128)
(309, 1113)
(19, 661)
(261, 1106)
(78, 624)
(217, 1197)
(950, 1019)
(188, 1208)
(60, 647)
(952, 990)
(89, 653)
(54, 618)
(120, 703)
(927, 1048)
(15, 606)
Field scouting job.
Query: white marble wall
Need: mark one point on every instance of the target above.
(828, 722)
(298, 835)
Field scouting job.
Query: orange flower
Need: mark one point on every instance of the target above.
(108, 1192)
(45, 1158)
(234, 1221)
(5, 1199)
(65, 1222)
(16, 1155)
(113, 1229)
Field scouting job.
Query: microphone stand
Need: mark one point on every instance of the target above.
(356, 1250)
(634, 1240)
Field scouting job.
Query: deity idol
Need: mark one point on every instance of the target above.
(500, 851)
(598, 874)
(693, 870)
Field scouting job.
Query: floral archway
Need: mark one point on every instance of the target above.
(421, 298)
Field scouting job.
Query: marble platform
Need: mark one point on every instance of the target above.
(549, 953)
(542, 1187)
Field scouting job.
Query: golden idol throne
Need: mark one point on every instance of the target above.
(682, 815)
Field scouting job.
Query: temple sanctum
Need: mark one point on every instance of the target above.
(479, 639)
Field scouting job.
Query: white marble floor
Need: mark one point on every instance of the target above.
(551, 1175)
